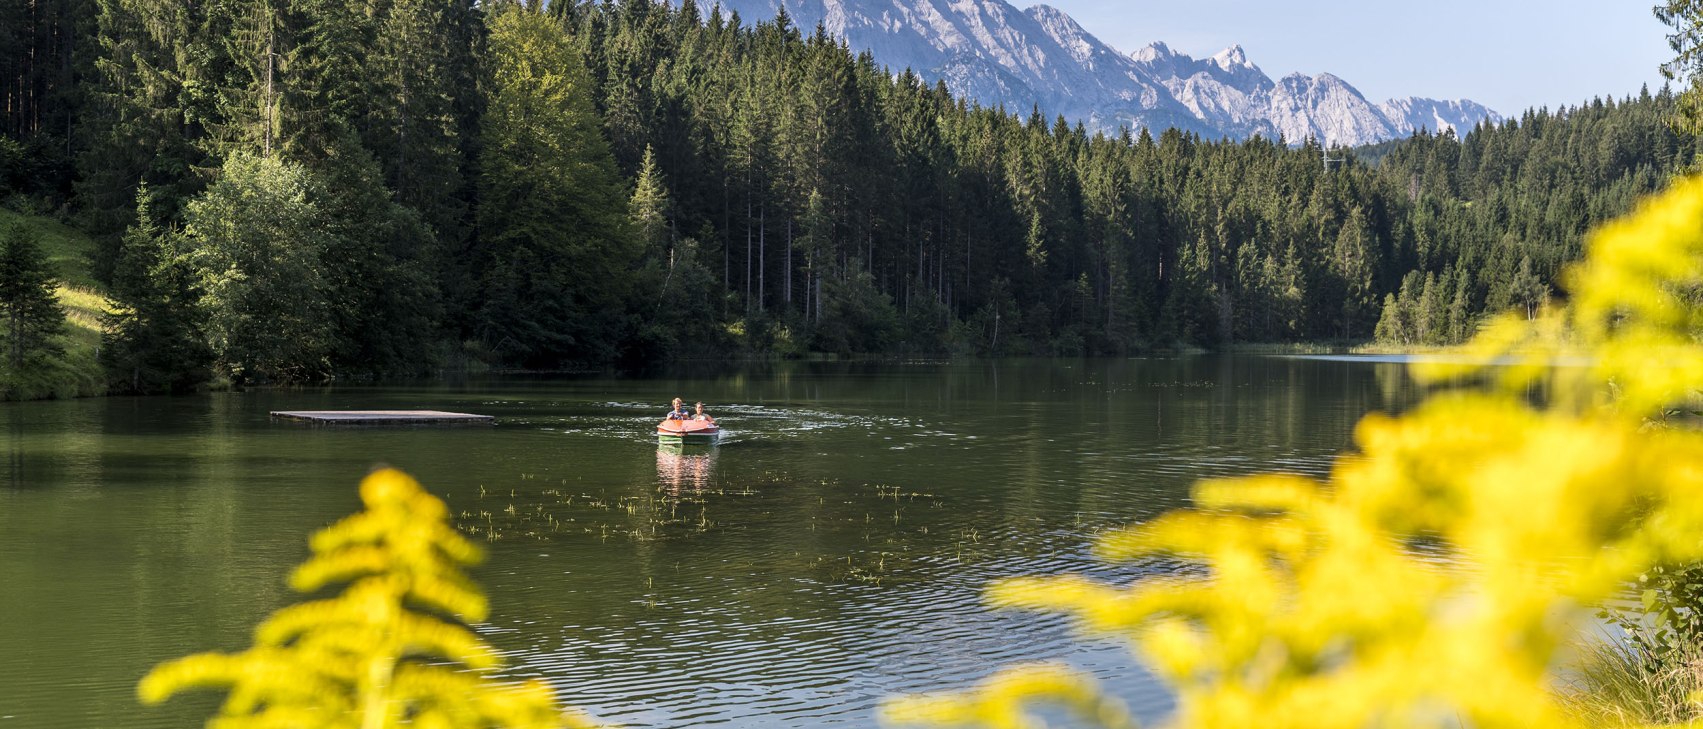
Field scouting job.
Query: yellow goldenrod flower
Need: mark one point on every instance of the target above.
(1435, 579)
(391, 650)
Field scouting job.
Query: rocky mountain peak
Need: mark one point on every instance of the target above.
(993, 53)
(1155, 51)
(1232, 58)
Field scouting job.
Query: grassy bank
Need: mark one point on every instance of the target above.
(1614, 685)
(76, 372)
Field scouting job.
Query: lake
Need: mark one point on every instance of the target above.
(831, 552)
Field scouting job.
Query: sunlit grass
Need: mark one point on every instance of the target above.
(67, 248)
(83, 311)
(1615, 686)
(77, 371)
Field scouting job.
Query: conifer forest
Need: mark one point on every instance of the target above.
(302, 190)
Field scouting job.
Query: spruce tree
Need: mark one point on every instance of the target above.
(555, 246)
(1685, 18)
(649, 208)
(144, 122)
(29, 306)
(153, 341)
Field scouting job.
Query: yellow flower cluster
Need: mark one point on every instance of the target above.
(389, 651)
(1441, 574)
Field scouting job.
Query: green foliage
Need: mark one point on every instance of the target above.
(856, 317)
(1663, 631)
(381, 263)
(681, 321)
(29, 309)
(521, 178)
(555, 248)
(1613, 684)
(649, 209)
(73, 372)
(152, 95)
(14, 167)
(255, 241)
(153, 340)
(42, 48)
(67, 249)
(678, 309)
(1685, 19)
(391, 650)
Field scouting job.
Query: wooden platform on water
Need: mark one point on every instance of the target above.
(382, 417)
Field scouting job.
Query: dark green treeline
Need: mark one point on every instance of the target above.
(302, 189)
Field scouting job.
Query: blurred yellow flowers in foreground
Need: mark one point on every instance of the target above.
(1442, 574)
(390, 651)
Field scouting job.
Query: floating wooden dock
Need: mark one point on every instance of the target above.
(383, 417)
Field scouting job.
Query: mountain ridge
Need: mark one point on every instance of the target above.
(998, 55)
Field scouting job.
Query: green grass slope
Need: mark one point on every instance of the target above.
(77, 372)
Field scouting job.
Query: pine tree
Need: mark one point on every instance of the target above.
(1460, 304)
(466, 164)
(1427, 319)
(153, 341)
(649, 209)
(29, 306)
(150, 103)
(423, 90)
(672, 308)
(555, 245)
(379, 261)
(817, 245)
(1685, 18)
(262, 45)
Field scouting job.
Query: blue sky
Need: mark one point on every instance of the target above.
(1505, 54)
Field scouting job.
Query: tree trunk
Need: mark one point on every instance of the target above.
(748, 248)
(266, 103)
(762, 256)
(726, 240)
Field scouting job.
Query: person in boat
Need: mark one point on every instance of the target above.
(679, 412)
(699, 414)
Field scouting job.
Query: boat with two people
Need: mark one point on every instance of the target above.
(688, 428)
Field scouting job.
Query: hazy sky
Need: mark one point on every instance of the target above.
(1507, 54)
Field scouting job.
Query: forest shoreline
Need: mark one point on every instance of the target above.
(58, 389)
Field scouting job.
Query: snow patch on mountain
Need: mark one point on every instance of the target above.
(993, 53)
(1413, 114)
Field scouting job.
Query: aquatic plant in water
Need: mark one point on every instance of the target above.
(1442, 574)
(391, 650)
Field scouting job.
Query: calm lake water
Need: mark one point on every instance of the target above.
(830, 553)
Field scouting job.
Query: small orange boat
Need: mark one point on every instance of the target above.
(687, 432)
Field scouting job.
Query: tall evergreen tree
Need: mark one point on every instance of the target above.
(1685, 19)
(555, 245)
(152, 101)
(649, 209)
(29, 306)
(154, 340)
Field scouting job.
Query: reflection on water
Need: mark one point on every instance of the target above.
(835, 552)
(684, 468)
